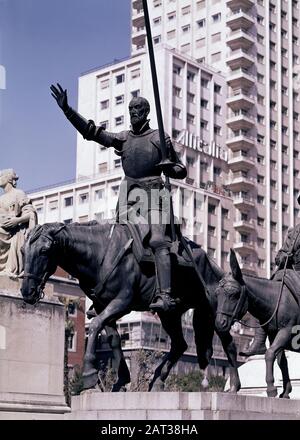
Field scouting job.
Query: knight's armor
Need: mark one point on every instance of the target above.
(140, 154)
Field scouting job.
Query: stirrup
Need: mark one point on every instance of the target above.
(163, 302)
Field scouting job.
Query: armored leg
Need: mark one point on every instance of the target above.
(258, 346)
(159, 244)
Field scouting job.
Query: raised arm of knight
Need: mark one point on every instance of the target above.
(87, 128)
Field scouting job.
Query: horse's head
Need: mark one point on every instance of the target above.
(231, 297)
(39, 261)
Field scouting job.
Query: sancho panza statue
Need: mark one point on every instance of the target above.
(17, 217)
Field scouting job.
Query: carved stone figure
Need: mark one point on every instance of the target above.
(17, 217)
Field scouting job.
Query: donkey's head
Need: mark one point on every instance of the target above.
(231, 297)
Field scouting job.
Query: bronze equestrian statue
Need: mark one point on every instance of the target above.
(288, 266)
(140, 152)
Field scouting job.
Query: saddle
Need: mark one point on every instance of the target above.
(143, 253)
(291, 280)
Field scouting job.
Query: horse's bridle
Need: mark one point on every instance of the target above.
(41, 280)
(238, 308)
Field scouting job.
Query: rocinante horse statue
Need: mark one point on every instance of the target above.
(276, 309)
(80, 248)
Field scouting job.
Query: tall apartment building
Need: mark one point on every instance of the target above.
(256, 44)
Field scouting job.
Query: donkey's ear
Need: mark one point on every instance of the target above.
(235, 268)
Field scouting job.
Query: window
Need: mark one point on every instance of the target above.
(67, 221)
(135, 93)
(102, 167)
(225, 234)
(171, 34)
(190, 75)
(186, 10)
(216, 17)
(156, 20)
(211, 230)
(177, 91)
(99, 194)
(217, 130)
(201, 23)
(186, 28)
(119, 99)
(190, 118)
(211, 209)
(217, 88)
(176, 112)
(104, 124)
(261, 242)
(200, 43)
(260, 179)
(68, 201)
(186, 47)
(215, 57)
(204, 82)
(176, 69)
(104, 104)
(72, 342)
(211, 252)
(120, 78)
(260, 119)
(119, 120)
(171, 16)
(115, 189)
(217, 109)
(83, 218)
(117, 163)
(190, 97)
(157, 3)
(225, 213)
(216, 37)
(53, 205)
(260, 200)
(39, 209)
(135, 73)
(204, 124)
(157, 39)
(104, 84)
(83, 198)
(260, 221)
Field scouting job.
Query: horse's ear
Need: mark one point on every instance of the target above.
(235, 268)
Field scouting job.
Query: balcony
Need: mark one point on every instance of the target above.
(240, 99)
(138, 26)
(244, 247)
(240, 19)
(240, 39)
(241, 79)
(246, 4)
(248, 268)
(240, 58)
(240, 162)
(240, 182)
(240, 120)
(240, 141)
(243, 202)
(245, 226)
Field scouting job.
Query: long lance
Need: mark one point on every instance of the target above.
(163, 142)
(164, 159)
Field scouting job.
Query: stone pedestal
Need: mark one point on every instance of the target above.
(31, 355)
(94, 405)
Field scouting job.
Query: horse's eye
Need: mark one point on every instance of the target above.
(44, 250)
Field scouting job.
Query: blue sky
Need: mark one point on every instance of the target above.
(42, 42)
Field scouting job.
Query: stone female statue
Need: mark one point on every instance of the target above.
(17, 217)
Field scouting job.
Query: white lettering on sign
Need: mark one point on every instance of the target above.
(2, 338)
(194, 142)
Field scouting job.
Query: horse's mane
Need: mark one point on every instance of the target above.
(56, 227)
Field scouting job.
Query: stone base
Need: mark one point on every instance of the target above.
(94, 405)
(31, 355)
